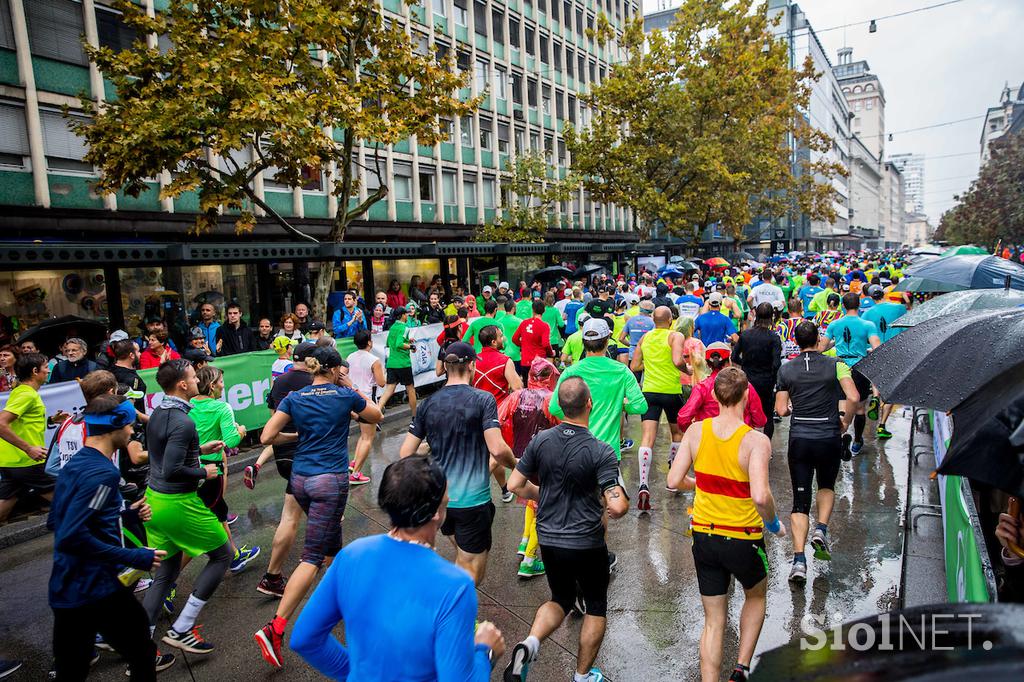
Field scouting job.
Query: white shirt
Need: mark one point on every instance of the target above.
(768, 293)
(360, 371)
(560, 306)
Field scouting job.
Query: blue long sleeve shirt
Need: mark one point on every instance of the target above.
(419, 629)
(344, 323)
(84, 518)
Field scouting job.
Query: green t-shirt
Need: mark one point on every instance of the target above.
(215, 420)
(398, 357)
(524, 308)
(509, 324)
(473, 330)
(612, 389)
(574, 346)
(555, 322)
(819, 301)
(30, 425)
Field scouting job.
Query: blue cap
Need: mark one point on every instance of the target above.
(105, 422)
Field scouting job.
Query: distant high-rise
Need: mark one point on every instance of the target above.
(912, 168)
(866, 100)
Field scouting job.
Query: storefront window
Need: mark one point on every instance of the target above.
(520, 267)
(219, 285)
(153, 292)
(386, 270)
(29, 297)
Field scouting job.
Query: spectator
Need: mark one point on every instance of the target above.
(152, 324)
(290, 327)
(301, 312)
(379, 318)
(27, 346)
(416, 294)
(394, 296)
(433, 313)
(348, 319)
(157, 351)
(381, 299)
(8, 356)
(77, 364)
(233, 337)
(197, 341)
(264, 334)
(209, 324)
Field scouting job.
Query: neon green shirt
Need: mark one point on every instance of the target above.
(555, 322)
(398, 357)
(574, 346)
(509, 324)
(473, 330)
(215, 420)
(30, 425)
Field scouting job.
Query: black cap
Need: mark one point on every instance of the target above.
(196, 355)
(316, 326)
(327, 357)
(459, 352)
(197, 333)
(399, 311)
(303, 350)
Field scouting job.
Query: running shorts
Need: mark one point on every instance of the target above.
(588, 568)
(718, 559)
(211, 492)
(400, 375)
(182, 523)
(323, 498)
(669, 403)
(862, 383)
(471, 527)
(283, 460)
(15, 480)
(810, 459)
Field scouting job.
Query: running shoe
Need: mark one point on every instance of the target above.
(643, 499)
(100, 644)
(798, 572)
(517, 667)
(507, 495)
(163, 662)
(358, 478)
(270, 644)
(249, 475)
(531, 569)
(521, 551)
(231, 519)
(595, 675)
(857, 446)
(612, 561)
(169, 600)
(882, 433)
(820, 544)
(8, 667)
(873, 408)
(845, 454)
(625, 444)
(190, 641)
(272, 585)
(738, 675)
(143, 585)
(243, 555)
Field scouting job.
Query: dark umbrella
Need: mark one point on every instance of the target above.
(972, 272)
(669, 271)
(940, 362)
(738, 257)
(49, 334)
(960, 302)
(988, 443)
(551, 273)
(588, 269)
(930, 286)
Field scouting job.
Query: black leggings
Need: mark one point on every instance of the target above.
(766, 392)
(122, 622)
(208, 580)
(810, 458)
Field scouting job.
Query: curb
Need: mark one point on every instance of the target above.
(35, 525)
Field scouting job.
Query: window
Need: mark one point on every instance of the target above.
(559, 105)
(6, 27)
(64, 150)
(503, 138)
(857, 106)
(467, 131)
(426, 185)
(13, 136)
(567, 14)
(572, 109)
(549, 148)
(448, 187)
(312, 179)
(441, 52)
(113, 32)
(529, 41)
(488, 188)
(469, 193)
(581, 63)
(544, 49)
(531, 93)
(464, 61)
(480, 18)
(558, 56)
(448, 129)
(513, 32)
(485, 134)
(579, 21)
(55, 30)
(461, 13)
(498, 25)
(569, 60)
(517, 88)
(561, 152)
(534, 142)
(421, 44)
(870, 104)
(546, 100)
(500, 83)
(481, 76)
(402, 182)
(440, 7)
(520, 140)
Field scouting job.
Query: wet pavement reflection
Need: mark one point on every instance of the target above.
(654, 617)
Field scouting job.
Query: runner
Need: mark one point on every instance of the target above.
(282, 345)
(661, 357)
(70, 435)
(488, 318)
(830, 314)
(810, 387)
(366, 372)
(572, 351)
(434, 637)
(759, 354)
(767, 292)
(702, 405)
(786, 328)
(399, 361)
(883, 314)
(499, 376)
(852, 337)
(712, 326)
(321, 413)
(509, 324)
(732, 507)
(578, 479)
(533, 338)
(460, 423)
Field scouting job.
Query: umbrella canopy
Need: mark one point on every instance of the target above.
(551, 273)
(988, 443)
(589, 269)
(49, 334)
(961, 302)
(738, 257)
(717, 262)
(928, 251)
(965, 250)
(972, 272)
(913, 368)
(670, 271)
(926, 285)
(832, 254)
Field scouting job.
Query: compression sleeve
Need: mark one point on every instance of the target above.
(312, 639)
(456, 657)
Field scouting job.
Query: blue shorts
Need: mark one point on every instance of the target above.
(323, 498)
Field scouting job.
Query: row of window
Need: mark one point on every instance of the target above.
(564, 12)
(55, 29)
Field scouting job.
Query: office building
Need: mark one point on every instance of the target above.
(1009, 113)
(911, 166)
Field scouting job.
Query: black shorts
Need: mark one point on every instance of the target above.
(471, 527)
(669, 403)
(862, 383)
(811, 459)
(30, 479)
(567, 568)
(211, 492)
(400, 375)
(283, 460)
(718, 558)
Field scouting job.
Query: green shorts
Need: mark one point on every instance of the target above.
(182, 523)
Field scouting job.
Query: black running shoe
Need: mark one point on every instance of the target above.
(847, 440)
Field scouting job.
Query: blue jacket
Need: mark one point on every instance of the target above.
(84, 518)
(210, 331)
(343, 323)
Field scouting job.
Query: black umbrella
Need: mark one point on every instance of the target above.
(49, 334)
(551, 273)
(941, 362)
(972, 272)
(588, 270)
(987, 443)
(738, 257)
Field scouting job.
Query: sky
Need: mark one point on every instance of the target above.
(935, 66)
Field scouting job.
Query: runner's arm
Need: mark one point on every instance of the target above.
(371, 414)
(496, 445)
(229, 433)
(457, 657)
(679, 353)
(782, 403)
(678, 474)
(271, 434)
(378, 373)
(515, 382)
(312, 639)
(757, 471)
(637, 363)
(615, 501)
(521, 486)
(636, 403)
(8, 434)
(851, 394)
(753, 413)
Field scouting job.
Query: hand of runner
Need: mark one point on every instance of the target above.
(59, 416)
(36, 452)
(145, 513)
(488, 634)
(158, 556)
(211, 447)
(212, 470)
(241, 430)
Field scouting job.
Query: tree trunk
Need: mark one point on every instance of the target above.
(321, 290)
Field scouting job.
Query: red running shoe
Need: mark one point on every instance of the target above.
(270, 644)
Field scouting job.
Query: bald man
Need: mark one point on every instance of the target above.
(661, 358)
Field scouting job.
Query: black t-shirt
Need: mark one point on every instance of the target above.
(759, 353)
(598, 308)
(812, 381)
(292, 380)
(573, 469)
(130, 378)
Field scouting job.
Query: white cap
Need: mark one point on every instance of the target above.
(503, 285)
(118, 335)
(715, 299)
(487, 290)
(567, 293)
(595, 329)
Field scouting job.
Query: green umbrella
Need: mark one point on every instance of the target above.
(959, 302)
(965, 250)
(926, 285)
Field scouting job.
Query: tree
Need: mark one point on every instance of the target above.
(993, 206)
(530, 200)
(694, 127)
(248, 87)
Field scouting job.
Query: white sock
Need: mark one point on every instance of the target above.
(644, 457)
(673, 450)
(152, 629)
(576, 677)
(189, 613)
(533, 645)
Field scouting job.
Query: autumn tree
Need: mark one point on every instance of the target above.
(694, 127)
(993, 207)
(531, 192)
(236, 90)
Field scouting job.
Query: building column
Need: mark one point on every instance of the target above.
(96, 78)
(115, 305)
(40, 182)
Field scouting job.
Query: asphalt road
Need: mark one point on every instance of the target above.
(655, 615)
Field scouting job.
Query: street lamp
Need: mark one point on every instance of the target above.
(872, 27)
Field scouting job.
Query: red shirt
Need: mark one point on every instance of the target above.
(490, 373)
(534, 338)
(148, 359)
(702, 405)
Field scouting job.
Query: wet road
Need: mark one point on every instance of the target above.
(655, 615)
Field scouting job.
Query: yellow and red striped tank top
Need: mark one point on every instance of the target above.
(722, 504)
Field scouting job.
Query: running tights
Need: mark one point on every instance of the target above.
(766, 392)
(208, 580)
(858, 428)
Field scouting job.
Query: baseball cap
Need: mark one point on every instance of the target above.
(567, 293)
(118, 335)
(303, 350)
(316, 326)
(196, 333)
(281, 343)
(595, 329)
(487, 290)
(327, 357)
(196, 355)
(875, 291)
(722, 350)
(503, 285)
(715, 299)
(459, 352)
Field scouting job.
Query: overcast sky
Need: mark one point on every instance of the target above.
(935, 66)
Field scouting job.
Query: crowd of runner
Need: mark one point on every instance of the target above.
(539, 382)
